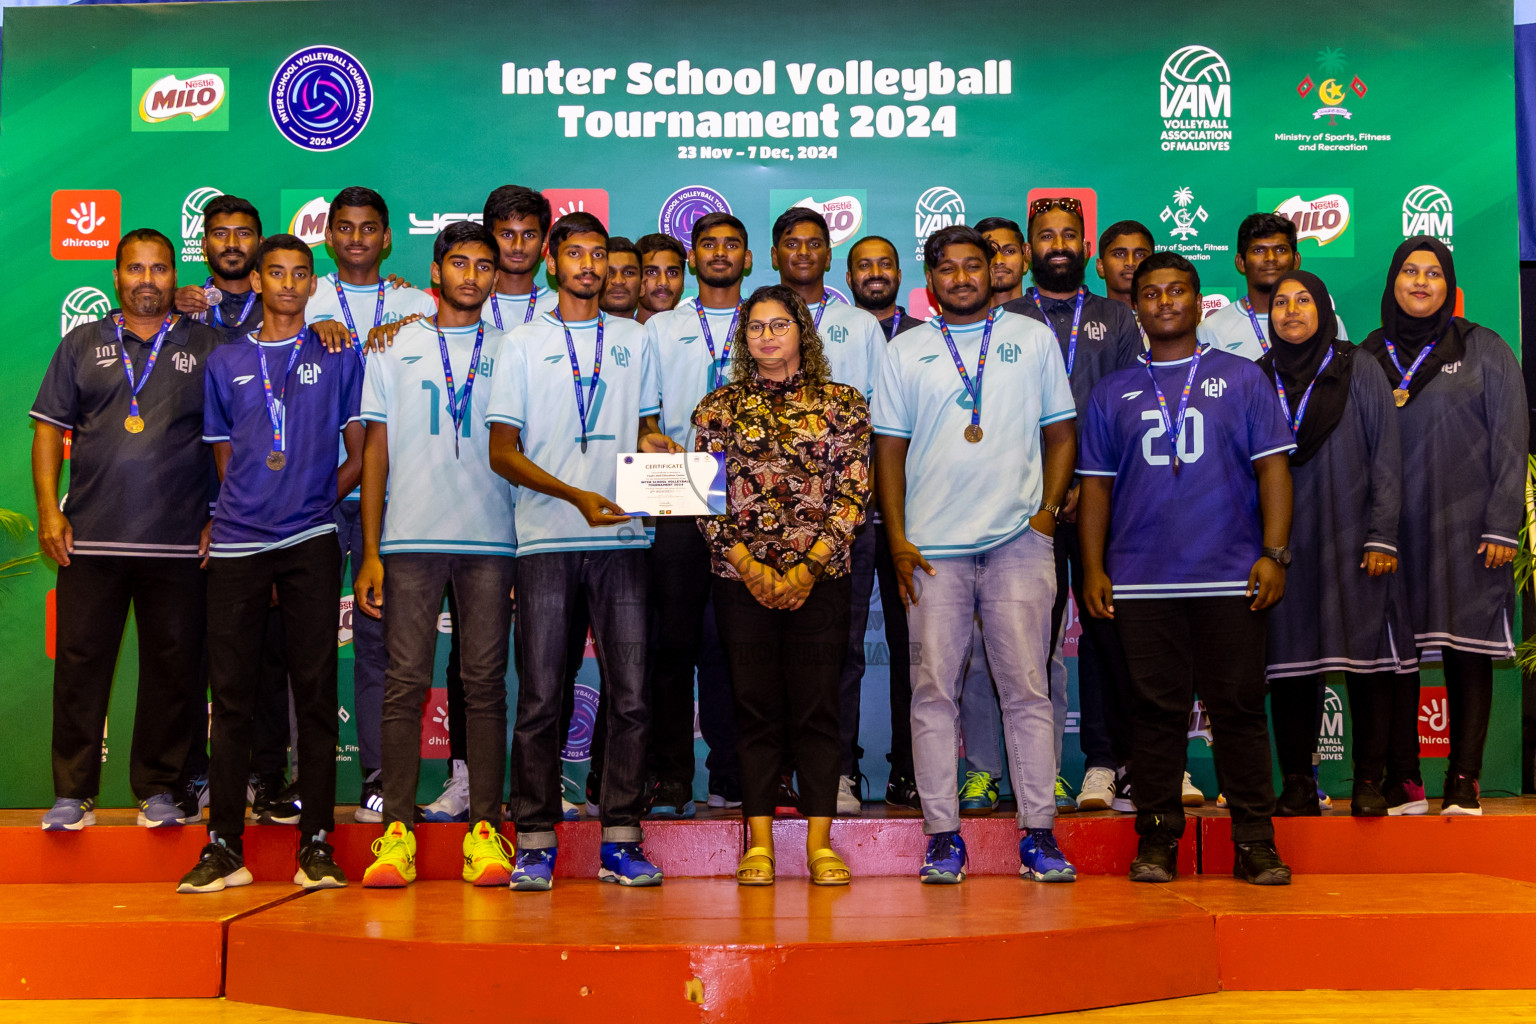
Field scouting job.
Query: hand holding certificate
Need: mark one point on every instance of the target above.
(681, 484)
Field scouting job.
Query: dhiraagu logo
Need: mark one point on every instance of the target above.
(180, 100)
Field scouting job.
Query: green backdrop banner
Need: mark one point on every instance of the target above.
(1185, 114)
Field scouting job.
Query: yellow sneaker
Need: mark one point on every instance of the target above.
(486, 856)
(396, 863)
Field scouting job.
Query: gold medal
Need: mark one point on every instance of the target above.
(134, 424)
(276, 460)
(973, 433)
(1400, 396)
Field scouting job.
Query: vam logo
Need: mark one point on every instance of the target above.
(180, 100)
(938, 207)
(192, 209)
(1195, 100)
(81, 306)
(1427, 211)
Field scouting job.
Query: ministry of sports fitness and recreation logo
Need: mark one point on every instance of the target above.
(1195, 101)
(81, 306)
(180, 100)
(685, 206)
(1427, 211)
(321, 98)
(937, 208)
(192, 222)
(1329, 93)
(1321, 215)
(843, 209)
(1184, 219)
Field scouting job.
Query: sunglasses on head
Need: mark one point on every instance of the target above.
(1064, 203)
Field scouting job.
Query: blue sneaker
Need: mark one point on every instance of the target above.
(160, 809)
(69, 815)
(1066, 803)
(945, 862)
(979, 795)
(626, 864)
(534, 870)
(1041, 859)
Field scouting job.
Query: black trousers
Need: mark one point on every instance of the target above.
(899, 641)
(307, 577)
(1381, 705)
(270, 734)
(1103, 682)
(1296, 709)
(93, 596)
(786, 668)
(1175, 649)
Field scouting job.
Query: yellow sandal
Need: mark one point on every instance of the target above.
(835, 874)
(751, 861)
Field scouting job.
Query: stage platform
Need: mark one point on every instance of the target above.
(702, 949)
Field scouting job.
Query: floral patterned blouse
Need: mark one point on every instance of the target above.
(796, 466)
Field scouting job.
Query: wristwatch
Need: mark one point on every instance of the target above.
(1281, 555)
(1054, 510)
(813, 567)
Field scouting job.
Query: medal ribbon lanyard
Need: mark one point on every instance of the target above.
(974, 433)
(458, 403)
(149, 364)
(1253, 319)
(1171, 426)
(346, 312)
(533, 296)
(1408, 373)
(1077, 319)
(245, 311)
(278, 417)
(1301, 409)
(709, 340)
(597, 371)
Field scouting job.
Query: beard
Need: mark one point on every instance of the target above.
(1067, 277)
(146, 301)
(718, 278)
(242, 269)
(967, 306)
(864, 300)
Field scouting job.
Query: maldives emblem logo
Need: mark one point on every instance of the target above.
(1184, 218)
(1333, 66)
(180, 100)
(321, 98)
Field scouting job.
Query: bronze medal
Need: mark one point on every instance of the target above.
(1400, 396)
(276, 460)
(134, 424)
(973, 433)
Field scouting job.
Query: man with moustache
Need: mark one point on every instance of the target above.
(874, 278)
(662, 259)
(1009, 257)
(231, 236)
(621, 292)
(139, 485)
(518, 218)
(1122, 246)
(693, 357)
(1096, 336)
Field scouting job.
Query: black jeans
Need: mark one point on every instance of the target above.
(785, 671)
(1175, 649)
(368, 658)
(851, 684)
(614, 584)
(413, 593)
(93, 595)
(269, 734)
(899, 643)
(1296, 709)
(683, 634)
(1103, 682)
(308, 581)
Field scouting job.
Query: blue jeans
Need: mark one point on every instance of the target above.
(981, 721)
(547, 586)
(1010, 588)
(368, 657)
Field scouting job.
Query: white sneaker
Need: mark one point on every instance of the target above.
(453, 805)
(1097, 790)
(848, 804)
(1192, 797)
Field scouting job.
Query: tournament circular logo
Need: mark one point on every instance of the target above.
(685, 206)
(578, 742)
(321, 98)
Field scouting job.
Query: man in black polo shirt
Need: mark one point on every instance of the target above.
(231, 236)
(1097, 336)
(132, 530)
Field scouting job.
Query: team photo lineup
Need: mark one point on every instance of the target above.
(1239, 504)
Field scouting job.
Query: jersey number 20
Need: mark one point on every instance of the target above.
(1191, 437)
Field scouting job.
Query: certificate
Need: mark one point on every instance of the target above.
(676, 484)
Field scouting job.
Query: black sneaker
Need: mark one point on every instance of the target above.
(317, 869)
(1259, 864)
(786, 802)
(901, 791)
(1122, 801)
(724, 792)
(1461, 795)
(260, 791)
(1366, 800)
(218, 868)
(192, 797)
(1157, 858)
(671, 801)
(1298, 798)
(1405, 796)
(283, 808)
(370, 804)
(594, 796)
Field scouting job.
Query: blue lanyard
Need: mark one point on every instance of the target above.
(149, 364)
(1077, 319)
(821, 307)
(245, 311)
(378, 315)
(1408, 373)
(458, 404)
(278, 418)
(895, 323)
(533, 297)
(1175, 427)
(597, 371)
(973, 432)
(1301, 409)
(709, 340)
(1253, 318)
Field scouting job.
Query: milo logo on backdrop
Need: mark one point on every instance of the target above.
(179, 100)
(842, 208)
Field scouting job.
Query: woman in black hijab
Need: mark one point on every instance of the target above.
(1338, 614)
(1462, 412)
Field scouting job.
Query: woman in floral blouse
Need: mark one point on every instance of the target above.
(796, 451)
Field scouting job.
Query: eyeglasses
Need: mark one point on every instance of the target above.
(1064, 203)
(779, 328)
